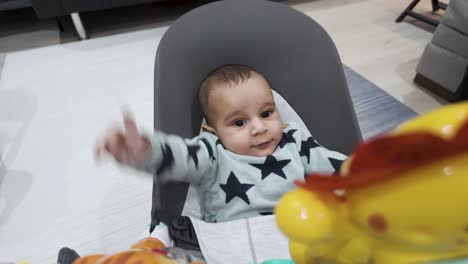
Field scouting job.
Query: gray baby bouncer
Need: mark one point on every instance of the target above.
(292, 51)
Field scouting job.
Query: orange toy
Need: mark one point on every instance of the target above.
(149, 243)
(146, 251)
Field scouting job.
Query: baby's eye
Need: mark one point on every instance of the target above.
(239, 123)
(266, 114)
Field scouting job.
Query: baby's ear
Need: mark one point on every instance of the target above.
(206, 127)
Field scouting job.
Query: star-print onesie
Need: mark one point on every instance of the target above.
(234, 186)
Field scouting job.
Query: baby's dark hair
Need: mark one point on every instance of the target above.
(231, 73)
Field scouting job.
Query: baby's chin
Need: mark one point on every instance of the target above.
(262, 152)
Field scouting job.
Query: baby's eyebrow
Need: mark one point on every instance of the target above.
(231, 115)
(269, 104)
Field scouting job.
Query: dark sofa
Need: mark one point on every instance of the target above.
(14, 4)
(443, 68)
(57, 8)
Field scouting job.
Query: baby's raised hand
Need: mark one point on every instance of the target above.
(126, 146)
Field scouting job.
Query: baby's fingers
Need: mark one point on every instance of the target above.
(132, 135)
(117, 147)
(113, 145)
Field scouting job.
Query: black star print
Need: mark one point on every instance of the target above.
(336, 163)
(168, 159)
(208, 146)
(265, 213)
(192, 153)
(287, 138)
(306, 146)
(233, 188)
(272, 165)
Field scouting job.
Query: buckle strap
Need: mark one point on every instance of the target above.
(183, 234)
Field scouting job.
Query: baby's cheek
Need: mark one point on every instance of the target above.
(241, 140)
(236, 142)
(278, 130)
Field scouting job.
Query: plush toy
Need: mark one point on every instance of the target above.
(146, 251)
(399, 198)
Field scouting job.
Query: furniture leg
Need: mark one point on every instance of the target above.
(79, 26)
(407, 10)
(435, 5)
(59, 24)
(423, 18)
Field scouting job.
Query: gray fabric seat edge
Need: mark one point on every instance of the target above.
(292, 51)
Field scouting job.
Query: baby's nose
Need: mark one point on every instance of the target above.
(259, 127)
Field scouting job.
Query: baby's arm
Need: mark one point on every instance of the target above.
(315, 157)
(174, 158)
(170, 157)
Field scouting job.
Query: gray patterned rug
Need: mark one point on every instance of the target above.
(377, 111)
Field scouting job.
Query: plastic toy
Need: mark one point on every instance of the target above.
(400, 198)
(278, 261)
(146, 251)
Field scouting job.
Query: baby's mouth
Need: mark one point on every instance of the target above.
(263, 145)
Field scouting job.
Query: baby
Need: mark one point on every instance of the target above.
(245, 158)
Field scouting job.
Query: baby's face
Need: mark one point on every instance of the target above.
(245, 118)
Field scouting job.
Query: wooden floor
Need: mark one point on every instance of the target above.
(370, 42)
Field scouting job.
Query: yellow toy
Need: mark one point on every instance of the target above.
(400, 198)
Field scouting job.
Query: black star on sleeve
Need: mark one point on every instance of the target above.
(306, 146)
(287, 138)
(192, 153)
(208, 147)
(336, 164)
(272, 165)
(167, 159)
(265, 213)
(233, 188)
